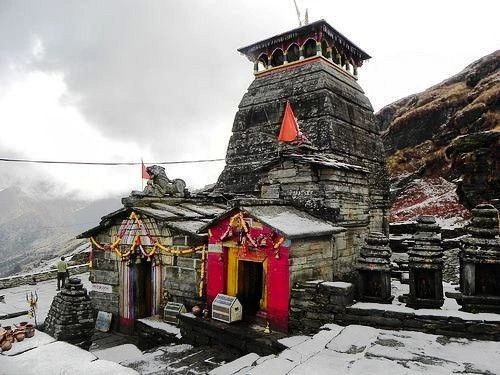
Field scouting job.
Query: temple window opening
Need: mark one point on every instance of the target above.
(262, 63)
(309, 48)
(277, 58)
(293, 53)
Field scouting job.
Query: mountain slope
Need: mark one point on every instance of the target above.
(33, 229)
(448, 134)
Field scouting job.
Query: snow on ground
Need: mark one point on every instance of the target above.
(449, 308)
(58, 358)
(364, 350)
(353, 349)
(430, 196)
(120, 353)
(159, 324)
(15, 299)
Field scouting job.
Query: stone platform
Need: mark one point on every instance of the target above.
(239, 337)
(438, 322)
(153, 332)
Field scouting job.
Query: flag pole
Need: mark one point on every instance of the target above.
(142, 179)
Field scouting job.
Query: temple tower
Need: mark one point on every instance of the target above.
(339, 175)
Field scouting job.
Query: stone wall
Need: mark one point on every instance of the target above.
(311, 258)
(12, 281)
(182, 279)
(314, 303)
(435, 324)
(105, 271)
(335, 194)
(339, 195)
(233, 338)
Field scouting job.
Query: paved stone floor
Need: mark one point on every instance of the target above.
(105, 340)
(181, 359)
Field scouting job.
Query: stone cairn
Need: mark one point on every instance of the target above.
(480, 262)
(425, 264)
(374, 268)
(71, 317)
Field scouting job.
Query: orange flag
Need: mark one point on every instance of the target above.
(289, 129)
(145, 173)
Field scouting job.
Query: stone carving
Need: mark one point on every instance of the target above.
(160, 185)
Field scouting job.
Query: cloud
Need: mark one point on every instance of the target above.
(162, 79)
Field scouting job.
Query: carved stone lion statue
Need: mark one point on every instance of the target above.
(160, 185)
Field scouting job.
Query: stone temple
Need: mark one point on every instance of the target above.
(282, 211)
(340, 174)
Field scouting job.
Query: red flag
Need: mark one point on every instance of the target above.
(145, 173)
(289, 129)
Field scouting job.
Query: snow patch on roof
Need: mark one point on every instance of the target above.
(290, 221)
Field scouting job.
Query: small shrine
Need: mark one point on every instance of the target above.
(480, 262)
(374, 268)
(149, 252)
(425, 264)
(71, 316)
(257, 252)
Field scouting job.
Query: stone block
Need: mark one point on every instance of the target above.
(104, 277)
(270, 191)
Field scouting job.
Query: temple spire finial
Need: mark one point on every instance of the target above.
(298, 12)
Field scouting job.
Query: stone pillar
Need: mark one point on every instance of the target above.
(285, 58)
(256, 66)
(480, 262)
(374, 268)
(347, 65)
(355, 70)
(301, 53)
(337, 58)
(71, 317)
(318, 49)
(426, 265)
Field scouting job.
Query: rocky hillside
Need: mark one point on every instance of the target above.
(443, 145)
(34, 231)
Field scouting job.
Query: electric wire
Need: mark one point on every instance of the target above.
(34, 161)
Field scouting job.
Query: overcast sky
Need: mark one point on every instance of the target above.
(119, 80)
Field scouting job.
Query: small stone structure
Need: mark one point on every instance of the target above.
(71, 317)
(314, 303)
(480, 263)
(159, 258)
(257, 251)
(426, 266)
(374, 268)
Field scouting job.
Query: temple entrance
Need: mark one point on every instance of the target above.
(425, 283)
(487, 279)
(142, 290)
(250, 286)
